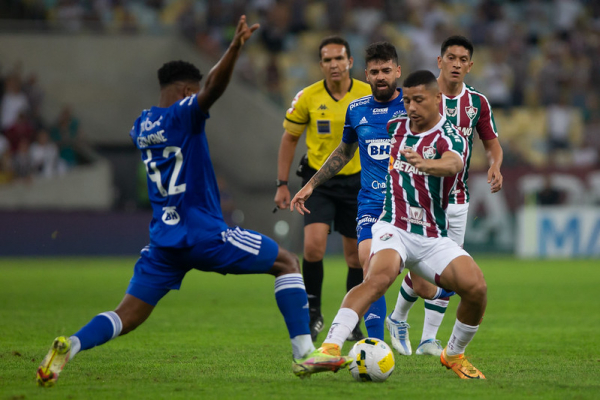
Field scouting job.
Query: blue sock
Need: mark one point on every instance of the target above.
(293, 303)
(374, 318)
(102, 328)
(443, 294)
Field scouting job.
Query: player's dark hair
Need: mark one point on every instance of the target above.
(457, 40)
(334, 40)
(177, 71)
(381, 51)
(421, 77)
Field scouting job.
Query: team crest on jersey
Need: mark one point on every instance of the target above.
(471, 111)
(170, 216)
(451, 112)
(386, 236)
(429, 152)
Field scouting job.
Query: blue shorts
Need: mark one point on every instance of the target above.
(364, 223)
(234, 251)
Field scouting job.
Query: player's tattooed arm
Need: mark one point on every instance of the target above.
(334, 164)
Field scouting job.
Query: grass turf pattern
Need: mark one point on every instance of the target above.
(223, 337)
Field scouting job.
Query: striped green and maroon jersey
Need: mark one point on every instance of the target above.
(470, 109)
(415, 201)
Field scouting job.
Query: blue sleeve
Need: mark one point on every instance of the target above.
(349, 135)
(189, 114)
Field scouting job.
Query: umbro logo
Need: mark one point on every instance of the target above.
(322, 107)
(363, 121)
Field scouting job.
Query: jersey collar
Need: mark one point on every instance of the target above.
(331, 95)
(464, 88)
(435, 128)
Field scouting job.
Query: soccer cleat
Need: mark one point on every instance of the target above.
(430, 347)
(461, 366)
(356, 334)
(316, 325)
(326, 358)
(399, 334)
(54, 362)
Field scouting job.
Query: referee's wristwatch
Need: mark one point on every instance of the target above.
(280, 183)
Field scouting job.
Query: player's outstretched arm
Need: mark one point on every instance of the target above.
(494, 154)
(219, 76)
(448, 165)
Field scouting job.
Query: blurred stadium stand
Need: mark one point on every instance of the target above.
(538, 62)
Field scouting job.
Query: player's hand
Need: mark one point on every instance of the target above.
(282, 197)
(495, 179)
(242, 32)
(414, 159)
(300, 198)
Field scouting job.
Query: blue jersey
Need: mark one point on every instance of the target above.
(182, 185)
(366, 121)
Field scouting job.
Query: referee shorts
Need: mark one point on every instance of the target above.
(335, 203)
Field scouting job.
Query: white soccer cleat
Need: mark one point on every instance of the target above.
(430, 347)
(399, 334)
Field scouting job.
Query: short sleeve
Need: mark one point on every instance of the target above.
(189, 114)
(451, 140)
(486, 125)
(349, 135)
(297, 116)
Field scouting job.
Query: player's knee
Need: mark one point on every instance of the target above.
(314, 251)
(378, 284)
(286, 263)
(476, 292)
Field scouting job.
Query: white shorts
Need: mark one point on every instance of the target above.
(425, 256)
(457, 222)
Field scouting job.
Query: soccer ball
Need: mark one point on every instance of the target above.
(373, 360)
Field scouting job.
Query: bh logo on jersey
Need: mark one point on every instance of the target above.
(170, 216)
(379, 150)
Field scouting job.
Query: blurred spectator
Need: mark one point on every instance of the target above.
(497, 79)
(44, 156)
(21, 161)
(273, 80)
(35, 97)
(14, 102)
(65, 132)
(553, 76)
(21, 130)
(559, 122)
(549, 195)
(69, 14)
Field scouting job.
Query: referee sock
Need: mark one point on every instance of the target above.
(102, 328)
(312, 271)
(293, 305)
(406, 299)
(354, 278)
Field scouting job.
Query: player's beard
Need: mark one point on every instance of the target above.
(383, 95)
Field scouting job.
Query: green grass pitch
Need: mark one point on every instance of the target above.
(223, 337)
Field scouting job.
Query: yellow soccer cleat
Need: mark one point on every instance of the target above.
(461, 366)
(326, 358)
(54, 362)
